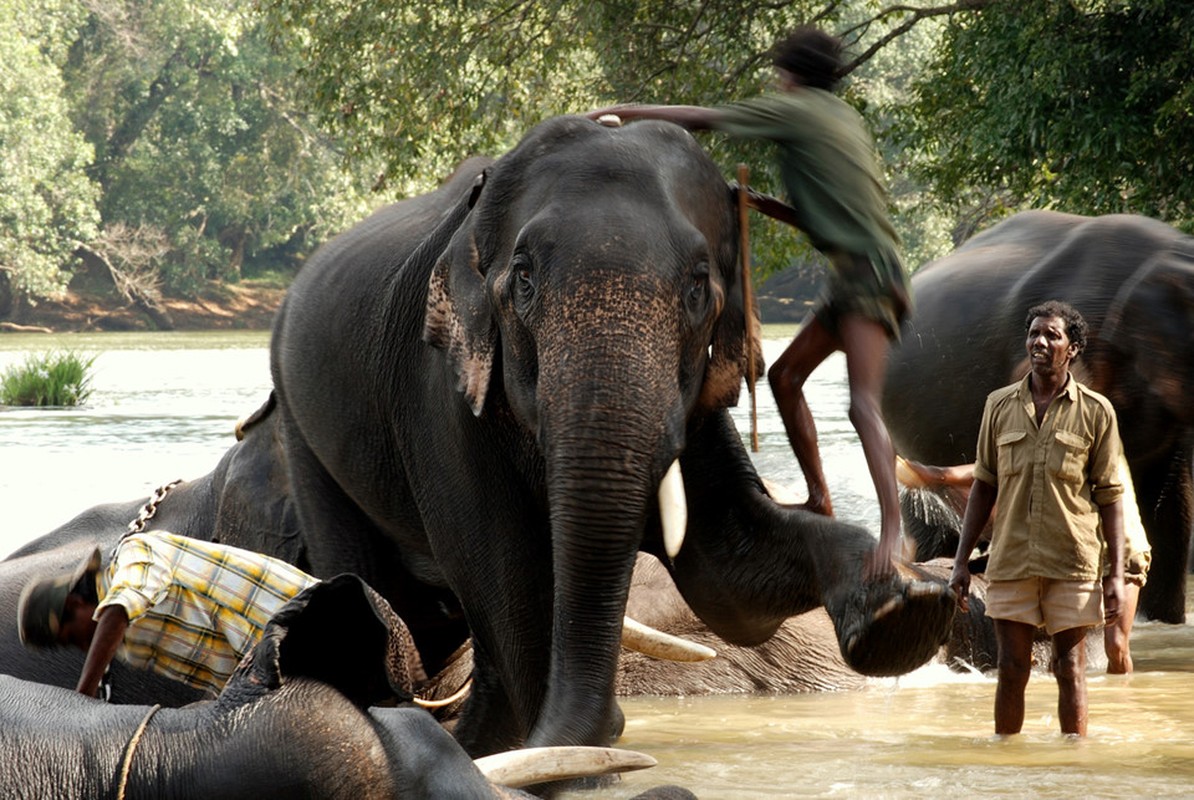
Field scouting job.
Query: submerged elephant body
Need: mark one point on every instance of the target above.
(1132, 278)
(485, 386)
(297, 719)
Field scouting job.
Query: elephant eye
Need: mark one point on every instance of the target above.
(524, 279)
(698, 288)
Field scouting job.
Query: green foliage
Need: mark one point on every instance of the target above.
(1081, 105)
(56, 378)
(47, 202)
(124, 122)
(427, 84)
(198, 135)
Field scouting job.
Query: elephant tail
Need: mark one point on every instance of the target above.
(261, 413)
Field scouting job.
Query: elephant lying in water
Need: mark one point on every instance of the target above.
(242, 503)
(1132, 278)
(487, 385)
(293, 721)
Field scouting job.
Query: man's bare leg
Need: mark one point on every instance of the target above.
(812, 345)
(866, 343)
(1069, 667)
(1015, 665)
(1117, 635)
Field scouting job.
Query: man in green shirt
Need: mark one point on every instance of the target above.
(1048, 449)
(833, 178)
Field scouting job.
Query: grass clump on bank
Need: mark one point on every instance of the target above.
(50, 379)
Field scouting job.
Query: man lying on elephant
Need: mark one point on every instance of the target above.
(183, 607)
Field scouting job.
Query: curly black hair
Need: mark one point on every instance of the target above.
(811, 55)
(1075, 325)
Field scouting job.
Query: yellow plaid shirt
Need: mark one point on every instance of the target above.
(194, 607)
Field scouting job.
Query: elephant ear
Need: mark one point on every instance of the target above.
(459, 318)
(1151, 317)
(728, 356)
(339, 632)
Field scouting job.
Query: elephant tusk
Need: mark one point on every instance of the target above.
(526, 767)
(673, 509)
(655, 643)
(459, 694)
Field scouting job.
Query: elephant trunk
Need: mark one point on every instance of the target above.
(608, 445)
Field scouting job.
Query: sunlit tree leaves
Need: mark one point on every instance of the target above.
(47, 202)
(1081, 105)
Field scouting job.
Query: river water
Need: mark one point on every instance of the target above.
(164, 407)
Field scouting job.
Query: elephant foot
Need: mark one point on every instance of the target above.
(892, 627)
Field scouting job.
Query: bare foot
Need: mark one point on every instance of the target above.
(822, 507)
(787, 497)
(877, 565)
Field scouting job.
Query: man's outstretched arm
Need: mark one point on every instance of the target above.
(694, 118)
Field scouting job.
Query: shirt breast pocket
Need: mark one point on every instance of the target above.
(1067, 456)
(1011, 452)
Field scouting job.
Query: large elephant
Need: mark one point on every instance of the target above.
(485, 387)
(242, 502)
(1132, 278)
(306, 690)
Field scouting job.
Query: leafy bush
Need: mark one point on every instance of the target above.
(51, 379)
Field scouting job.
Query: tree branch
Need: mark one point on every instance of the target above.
(916, 15)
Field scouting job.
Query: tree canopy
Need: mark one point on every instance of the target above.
(163, 140)
(177, 142)
(47, 201)
(1082, 105)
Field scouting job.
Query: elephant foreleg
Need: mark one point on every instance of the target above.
(1165, 493)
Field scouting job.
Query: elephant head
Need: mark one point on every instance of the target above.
(601, 296)
(642, 228)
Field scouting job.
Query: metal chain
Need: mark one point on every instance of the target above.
(148, 510)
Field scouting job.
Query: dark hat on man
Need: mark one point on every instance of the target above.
(39, 612)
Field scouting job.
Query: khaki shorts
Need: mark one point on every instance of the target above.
(857, 285)
(1046, 602)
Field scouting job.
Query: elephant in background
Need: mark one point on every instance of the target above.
(487, 385)
(1132, 278)
(307, 689)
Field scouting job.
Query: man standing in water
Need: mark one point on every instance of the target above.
(1048, 448)
(832, 176)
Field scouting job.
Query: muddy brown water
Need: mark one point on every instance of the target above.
(164, 406)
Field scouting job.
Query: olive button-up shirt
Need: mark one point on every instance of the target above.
(1051, 480)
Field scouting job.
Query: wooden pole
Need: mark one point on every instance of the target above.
(748, 301)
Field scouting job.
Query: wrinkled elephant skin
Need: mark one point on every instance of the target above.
(306, 689)
(1132, 278)
(484, 386)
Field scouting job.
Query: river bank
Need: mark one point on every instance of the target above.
(247, 306)
(250, 305)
